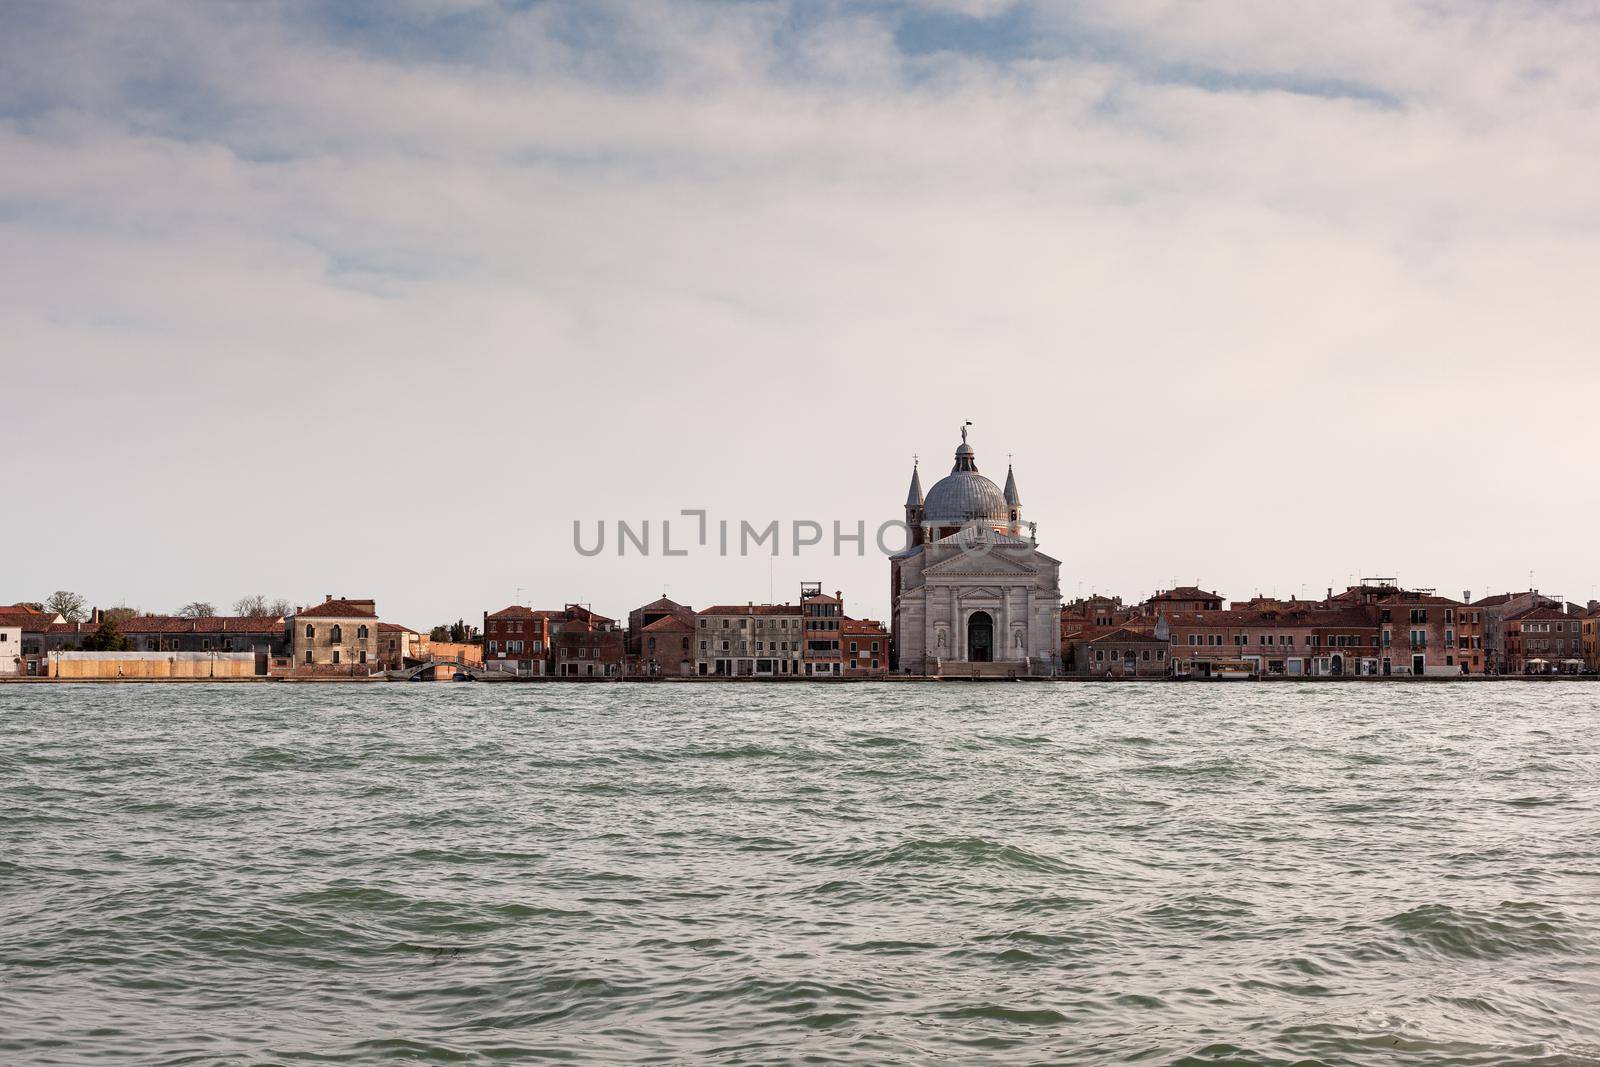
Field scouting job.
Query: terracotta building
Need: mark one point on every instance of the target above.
(865, 647)
(1496, 609)
(822, 655)
(516, 640)
(1122, 652)
(1318, 642)
(1418, 634)
(666, 646)
(587, 645)
(1543, 640)
(1183, 598)
(656, 610)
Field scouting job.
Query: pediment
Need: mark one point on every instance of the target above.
(980, 592)
(977, 565)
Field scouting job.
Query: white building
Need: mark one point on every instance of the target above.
(10, 650)
(971, 594)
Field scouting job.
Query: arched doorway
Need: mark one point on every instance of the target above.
(980, 638)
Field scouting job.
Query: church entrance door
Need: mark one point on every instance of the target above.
(980, 638)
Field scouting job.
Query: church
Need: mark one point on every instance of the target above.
(970, 594)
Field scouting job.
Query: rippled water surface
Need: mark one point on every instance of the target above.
(1337, 874)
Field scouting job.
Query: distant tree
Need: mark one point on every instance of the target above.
(121, 614)
(280, 607)
(254, 606)
(461, 633)
(107, 637)
(34, 604)
(68, 605)
(197, 609)
(439, 633)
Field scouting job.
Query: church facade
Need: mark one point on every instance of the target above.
(971, 594)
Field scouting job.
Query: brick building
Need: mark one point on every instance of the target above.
(1122, 652)
(1332, 641)
(1418, 634)
(516, 640)
(666, 646)
(641, 617)
(1496, 609)
(1543, 640)
(865, 647)
(1185, 598)
(822, 656)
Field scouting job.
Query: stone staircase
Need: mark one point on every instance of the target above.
(964, 669)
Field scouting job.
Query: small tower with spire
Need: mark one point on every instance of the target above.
(1013, 502)
(914, 505)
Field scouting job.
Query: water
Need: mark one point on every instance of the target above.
(1334, 874)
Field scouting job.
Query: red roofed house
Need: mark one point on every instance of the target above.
(586, 645)
(1183, 598)
(337, 636)
(1543, 640)
(517, 640)
(750, 641)
(1419, 635)
(865, 648)
(822, 656)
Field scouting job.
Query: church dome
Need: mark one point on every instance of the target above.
(962, 496)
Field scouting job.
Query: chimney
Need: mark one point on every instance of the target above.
(327, 598)
(1466, 596)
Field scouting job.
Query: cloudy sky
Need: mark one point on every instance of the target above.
(377, 299)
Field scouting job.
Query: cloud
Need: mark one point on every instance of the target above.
(1147, 246)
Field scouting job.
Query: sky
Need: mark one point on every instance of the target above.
(380, 299)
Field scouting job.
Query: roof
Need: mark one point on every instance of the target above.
(29, 621)
(338, 609)
(1123, 634)
(752, 609)
(394, 628)
(1013, 497)
(1402, 599)
(914, 494)
(517, 611)
(664, 604)
(669, 624)
(1186, 592)
(865, 627)
(578, 611)
(1350, 618)
(215, 624)
(962, 496)
(1540, 614)
(1496, 600)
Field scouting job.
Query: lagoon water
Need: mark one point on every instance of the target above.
(964, 874)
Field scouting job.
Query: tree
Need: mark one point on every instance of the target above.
(280, 608)
(34, 604)
(68, 605)
(461, 633)
(439, 633)
(252, 606)
(121, 614)
(107, 637)
(197, 609)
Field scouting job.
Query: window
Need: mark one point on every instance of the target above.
(874, 664)
(874, 648)
(852, 646)
(308, 655)
(361, 633)
(336, 655)
(363, 657)
(337, 634)
(311, 631)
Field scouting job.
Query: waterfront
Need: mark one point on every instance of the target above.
(735, 874)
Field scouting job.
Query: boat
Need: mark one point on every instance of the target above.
(1232, 670)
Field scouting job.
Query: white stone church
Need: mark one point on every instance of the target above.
(971, 594)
